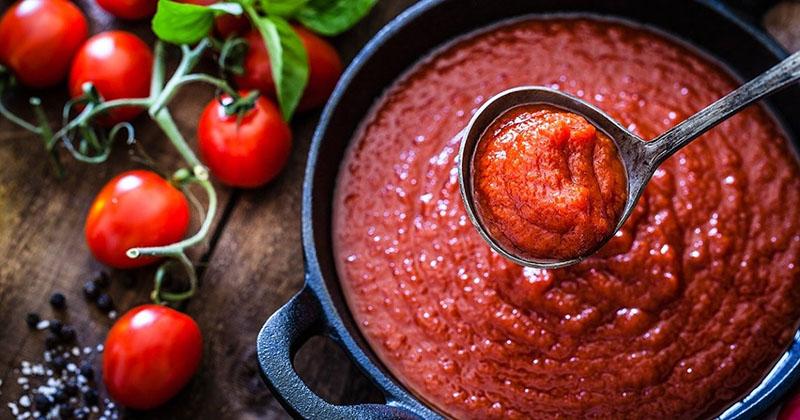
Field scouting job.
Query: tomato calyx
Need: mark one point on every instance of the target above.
(239, 105)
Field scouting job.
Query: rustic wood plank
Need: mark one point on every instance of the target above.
(254, 268)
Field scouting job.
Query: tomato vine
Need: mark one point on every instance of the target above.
(95, 146)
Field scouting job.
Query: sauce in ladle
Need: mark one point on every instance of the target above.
(547, 183)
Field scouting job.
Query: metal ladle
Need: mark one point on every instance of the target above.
(640, 158)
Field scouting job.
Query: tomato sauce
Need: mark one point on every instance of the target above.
(680, 314)
(548, 185)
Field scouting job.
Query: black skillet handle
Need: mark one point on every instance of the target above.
(280, 338)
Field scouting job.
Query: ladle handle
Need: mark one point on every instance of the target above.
(774, 79)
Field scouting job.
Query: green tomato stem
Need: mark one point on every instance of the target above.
(173, 250)
(91, 111)
(17, 120)
(164, 120)
(211, 80)
(158, 296)
(46, 133)
(190, 58)
(157, 81)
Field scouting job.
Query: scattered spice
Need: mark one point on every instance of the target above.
(104, 302)
(102, 279)
(62, 384)
(91, 290)
(32, 319)
(58, 301)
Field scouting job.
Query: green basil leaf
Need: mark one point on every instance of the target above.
(287, 59)
(284, 8)
(181, 23)
(332, 17)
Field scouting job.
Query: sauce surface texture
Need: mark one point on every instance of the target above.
(548, 185)
(683, 311)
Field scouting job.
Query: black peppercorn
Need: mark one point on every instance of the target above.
(64, 411)
(58, 301)
(102, 279)
(55, 326)
(87, 370)
(104, 302)
(67, 334)
(42, 402)
(32, 319)
(71, 387)
(91, 290)
(51, 342)
(58, 362)
(90, 397)
(60, 396)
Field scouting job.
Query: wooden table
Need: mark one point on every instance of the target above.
(252, 262)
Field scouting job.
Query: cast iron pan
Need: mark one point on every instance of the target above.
(320, 308)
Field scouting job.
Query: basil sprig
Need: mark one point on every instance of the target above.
(290, 69)
(181, 23)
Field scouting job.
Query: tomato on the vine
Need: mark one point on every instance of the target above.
(324, 65)
(244, 150)
(119, 64)
(135, 209)
(38, 39)
(129, 9)
(150, 353)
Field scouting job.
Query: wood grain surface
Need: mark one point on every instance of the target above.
(252, 263)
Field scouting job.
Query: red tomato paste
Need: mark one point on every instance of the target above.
(548, 185)
(679, 315)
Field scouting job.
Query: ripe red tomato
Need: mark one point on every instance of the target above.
(135, 209)
(119, 64)
(129, 9)
(38, 39)
(225, 25)
(150, 353)
(324, 64)
(246, 151)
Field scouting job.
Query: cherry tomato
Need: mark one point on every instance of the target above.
(38, 39)
(135, 209)
(324, 64)
(129, 9)
(150, 353)
(225, 24)
(244, 151)
(119, 64)
(790, 410)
